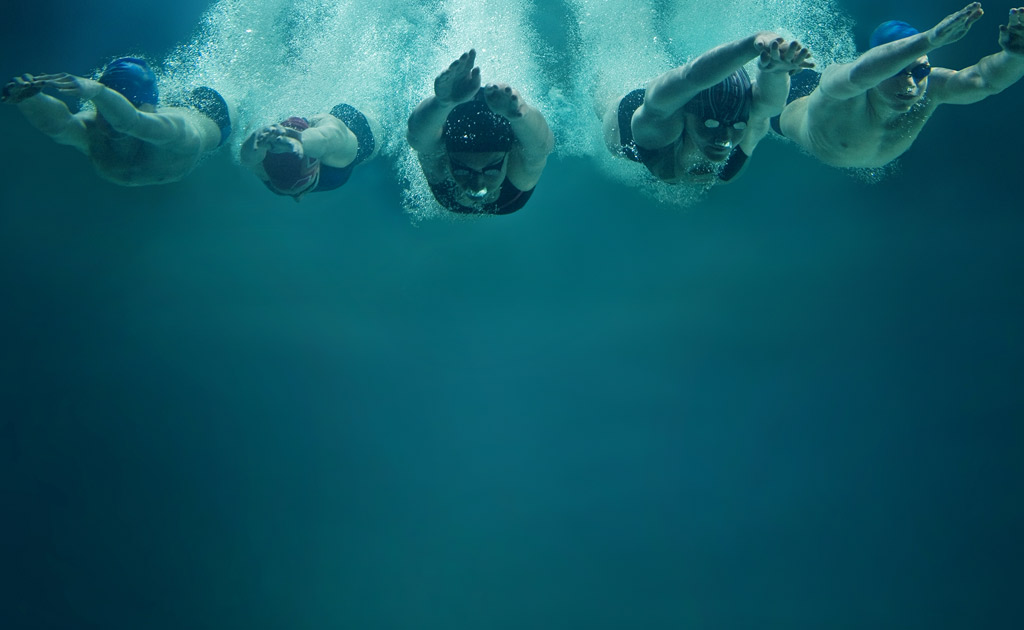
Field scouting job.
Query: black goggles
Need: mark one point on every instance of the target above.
(490, 170)
(918, 72)
(738, 125)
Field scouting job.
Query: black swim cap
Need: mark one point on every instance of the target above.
(727, 102)
(133, 79)
(472, 127)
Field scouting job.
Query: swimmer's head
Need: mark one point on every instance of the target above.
(287, 173)
(473, 127)
(716, 119)
(133, 79)
(907, 87)
(295, 122)
(891, 31)
(477, 142)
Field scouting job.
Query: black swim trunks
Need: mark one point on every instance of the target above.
(211, 104)
(627, 107)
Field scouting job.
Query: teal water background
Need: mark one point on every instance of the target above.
(797, 403)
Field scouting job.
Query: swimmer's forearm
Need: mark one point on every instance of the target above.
(426, 123)
(999, 71)
(46, 113)
(770, 93)
(116, 109)
(673, 89)
(154, 128)
(249, 154)
(533, 134)
(875, 66)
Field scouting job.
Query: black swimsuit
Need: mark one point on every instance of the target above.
(509, 199)
(632, 102)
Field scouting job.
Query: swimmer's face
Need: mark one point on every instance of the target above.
(907, 87)
(478, 173)
(715, 139)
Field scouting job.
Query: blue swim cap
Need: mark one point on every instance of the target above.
(133, 78)
(891, 31)
(727, 102)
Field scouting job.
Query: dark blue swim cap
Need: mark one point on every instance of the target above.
(472, 127)
(133, 78)
(727, 102)
(891, 31)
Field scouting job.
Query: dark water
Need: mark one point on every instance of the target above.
(798, 404)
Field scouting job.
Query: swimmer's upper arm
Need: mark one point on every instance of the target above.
(73, 133)
(434, 166)
(162, 128)
(524, 171)
(839, 82)
(757, 128)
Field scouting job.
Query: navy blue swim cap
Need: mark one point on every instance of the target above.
(472, 127)
(891, 31)
(727, 102)
(133, 78)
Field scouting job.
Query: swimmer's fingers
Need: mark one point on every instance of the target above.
(763, 41)
(800, 57)
(48, 77)
(1011, 35)
(504, 100)
(460, 80)
(955, 26)
(1016, 17)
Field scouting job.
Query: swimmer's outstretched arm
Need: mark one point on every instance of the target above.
(456, 84)
(848, 80)
(47, 114)
(534, 140)
(154, 128)
(655, 123)
(329, 140)
(771, 89)
(992, 74)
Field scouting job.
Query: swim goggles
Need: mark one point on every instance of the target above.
(918, 72)
(462, 170)
(739, 125)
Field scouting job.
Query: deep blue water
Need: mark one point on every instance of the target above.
(797, 404)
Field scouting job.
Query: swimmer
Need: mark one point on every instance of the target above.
(697, 124)
(482, 150)
(867, 113)
(130, 140)
(299, 155)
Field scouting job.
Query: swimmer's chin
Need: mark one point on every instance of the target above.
(478, 194)
(717, 153)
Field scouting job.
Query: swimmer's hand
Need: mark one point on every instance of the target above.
(783, 56)
(69, 84)
(504, 101)
(280, 139)
(459, 82)
(20, 88)
(764, 40)
(1011, 35)
(955, 26)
